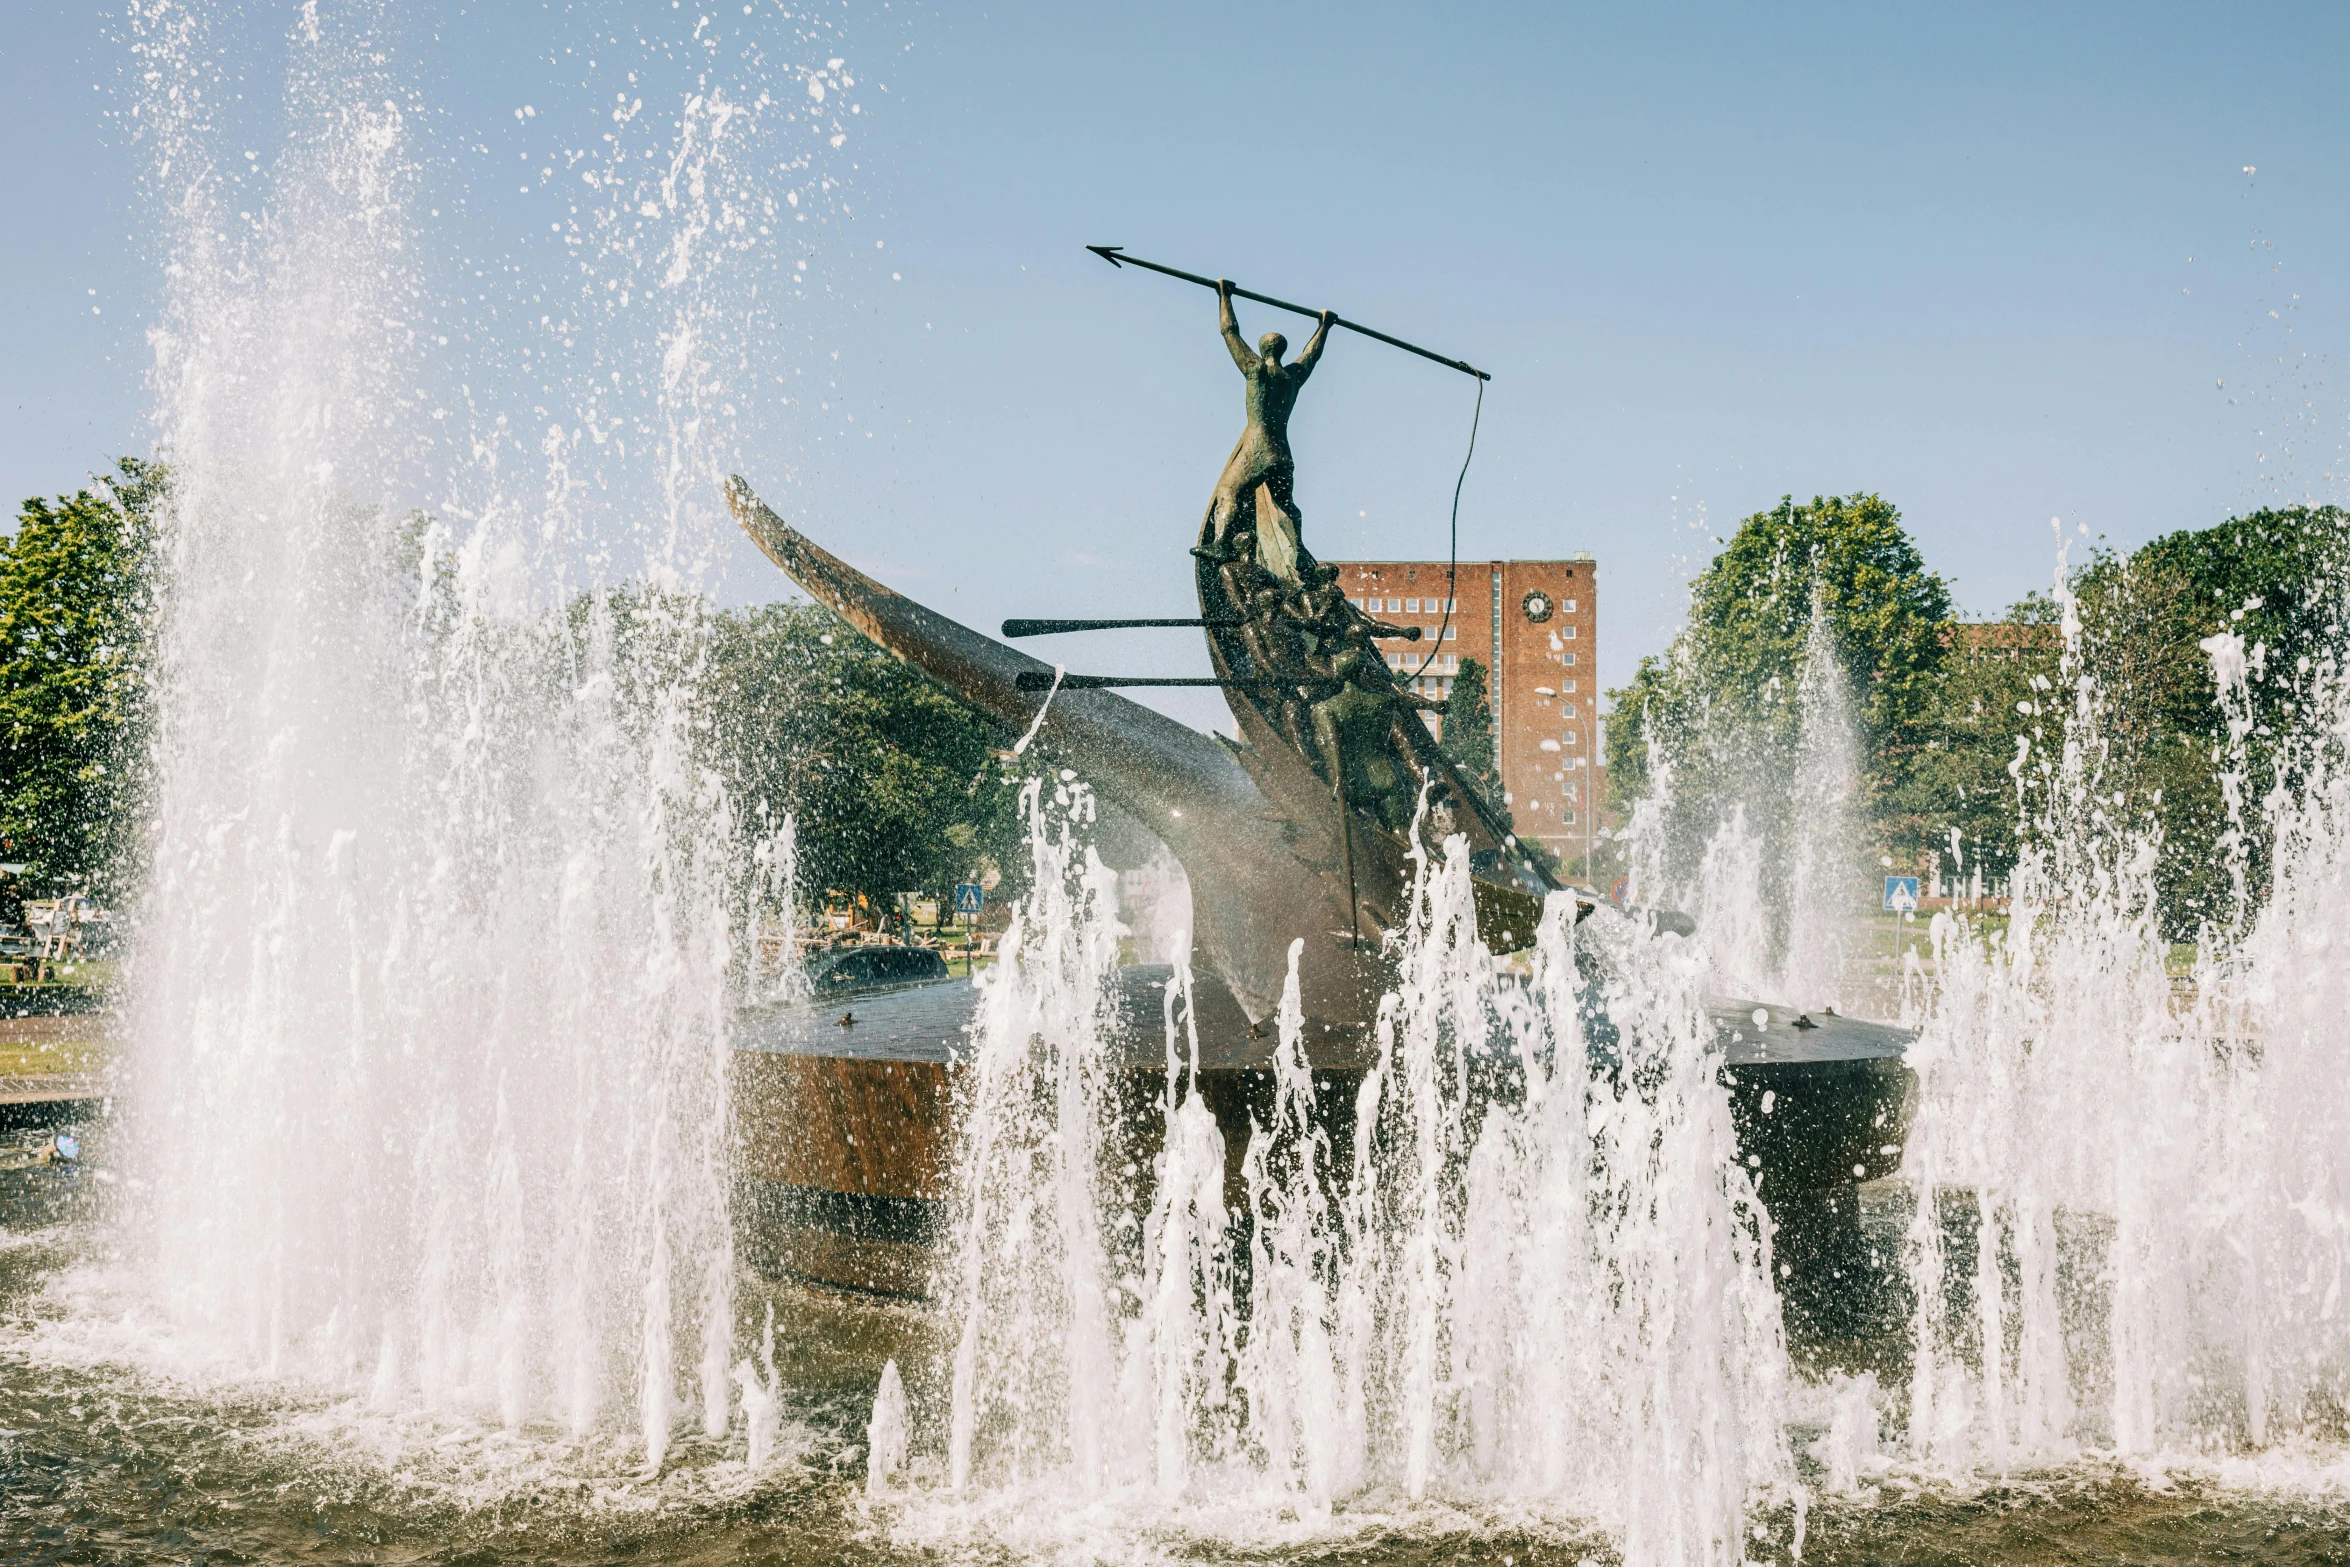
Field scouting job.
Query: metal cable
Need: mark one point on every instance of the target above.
(1452, 570)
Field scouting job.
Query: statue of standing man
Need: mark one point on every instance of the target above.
(1260, 472)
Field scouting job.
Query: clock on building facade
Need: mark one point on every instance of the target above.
(1537, 606)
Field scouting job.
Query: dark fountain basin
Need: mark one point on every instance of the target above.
(847, 1132)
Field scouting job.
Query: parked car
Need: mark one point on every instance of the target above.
(855, 969)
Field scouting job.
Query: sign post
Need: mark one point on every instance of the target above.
(1901, 898)
(970, 898)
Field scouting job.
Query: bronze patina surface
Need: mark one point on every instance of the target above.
(1261, 475)
(1300, 830)
(1260, 874)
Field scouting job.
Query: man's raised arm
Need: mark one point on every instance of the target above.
(1313, 349)
(1242, 355)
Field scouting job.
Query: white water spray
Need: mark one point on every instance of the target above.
(762, 1398)
(1824, 843)
(1732, 913)
(2157, 1183)
(446, 918)
(886, 1434)
(1557, 1293)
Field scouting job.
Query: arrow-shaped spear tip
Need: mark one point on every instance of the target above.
(1108, 253)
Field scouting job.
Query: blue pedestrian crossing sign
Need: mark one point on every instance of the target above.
(970, 897)
(1901, 892)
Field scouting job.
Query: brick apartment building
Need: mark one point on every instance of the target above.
(1533, 624)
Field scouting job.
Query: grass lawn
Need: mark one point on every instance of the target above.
(48, 1046)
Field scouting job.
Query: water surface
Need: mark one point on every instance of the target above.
(101, 1461)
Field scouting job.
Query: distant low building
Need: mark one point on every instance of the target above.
(1534, 624)
(2000, 636)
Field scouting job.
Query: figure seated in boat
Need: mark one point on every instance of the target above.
(1297, 641)
(1364, 747)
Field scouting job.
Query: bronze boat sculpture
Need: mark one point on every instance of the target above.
(1299, 829)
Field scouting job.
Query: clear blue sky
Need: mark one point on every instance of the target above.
(1995, 263)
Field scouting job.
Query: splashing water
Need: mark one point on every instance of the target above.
(446, 920)
(761, 1398)
(1825, 842)
(886, 1435)
(1771, 888)
(1154, 904)
(1031, 1267)
(1731, 909)
(1646, 836)
(2156, 1180)
(1536, 1271)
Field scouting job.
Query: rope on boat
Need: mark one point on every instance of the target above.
(1452, 570)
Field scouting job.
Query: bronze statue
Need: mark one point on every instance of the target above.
(1364, 747)
(1260, 472)
(1334, 700)
(1303, 845)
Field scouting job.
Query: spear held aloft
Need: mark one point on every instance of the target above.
(1116, 255)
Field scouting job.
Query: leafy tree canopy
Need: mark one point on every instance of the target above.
(1725, 692)
(2275, 578)
(75, 587)
(895, 783)
(1958, 776)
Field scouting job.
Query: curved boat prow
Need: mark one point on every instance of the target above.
(1259, 878)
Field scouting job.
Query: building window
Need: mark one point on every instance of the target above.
(1411, 606)
(1452, 633)
(1494, 695)
(1568, 659)
(1568, 737)
(1452, 661)
(1568, 605)
(1357, 603)
(1567, 817)
(1395, 606)
(1568, 632)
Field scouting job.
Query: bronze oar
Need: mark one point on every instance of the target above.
(1042, 680)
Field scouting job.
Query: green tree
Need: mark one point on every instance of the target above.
(75, 588)
(896, 785)
(1993, 688)
(1468, 731)
(1722, 698)
(2276, 579)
